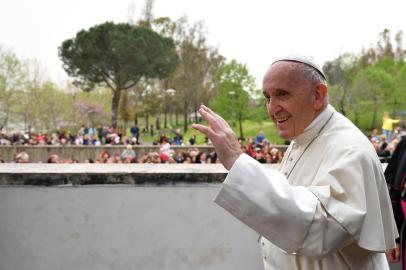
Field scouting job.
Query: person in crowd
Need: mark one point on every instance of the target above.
(162, 137)
(156, 158)
(135, 133)
(192, 153)
(116, 158)
(188, 159)
(273, 156)
(192, 140)
(383, 147)
(178, 139)
(103, 157)
(251, 148)
(398, 132)
(207, 141)
(89, 160)
(375, 135)
(180, 157)
(395, 174)
(53, 159)
(201, 158)
(41, 139)
(128, 153)
(387, 126)
(171, 159)
(54, 140)
(22, 157)
(260, 156)
(328, 205)
(165, 149)
(259, 139)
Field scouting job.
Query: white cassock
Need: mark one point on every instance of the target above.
(326, 208)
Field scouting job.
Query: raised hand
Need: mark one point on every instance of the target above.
(222, 136)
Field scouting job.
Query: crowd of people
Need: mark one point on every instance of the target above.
(385, 145)
(102, 135)
(259, 147)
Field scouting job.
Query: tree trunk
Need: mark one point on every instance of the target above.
(186, 118)
(125, 128)
(342, 109)
(114, 107)
(195, 112)
(147, 121)
(240, 123)
(395, 103)
(158, 122)
(176, 119)
(356, 118)
(165, 117)
(5, 119)
(135, 119)
(374, 115)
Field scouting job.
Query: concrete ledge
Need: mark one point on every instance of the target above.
(96, 174)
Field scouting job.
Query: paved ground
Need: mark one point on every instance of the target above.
(396, 266)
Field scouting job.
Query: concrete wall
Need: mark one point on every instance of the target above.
(121, 227)
(82, 225)
(81, 153)
(159, 224)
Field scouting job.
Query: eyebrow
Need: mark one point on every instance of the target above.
(277, 90)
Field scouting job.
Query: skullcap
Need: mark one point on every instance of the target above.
(302, 59)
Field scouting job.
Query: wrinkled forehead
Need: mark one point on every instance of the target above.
(281, 69)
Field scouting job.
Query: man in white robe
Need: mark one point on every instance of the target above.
(328, 205)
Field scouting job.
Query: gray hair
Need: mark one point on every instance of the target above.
(310, 73)
(313, 75)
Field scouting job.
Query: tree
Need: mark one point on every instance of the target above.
(373, 85)
(384, 46)
(194, 79)
(12, 80)
(339, 74)
(235, 88)
(117, 55)
(90, 111)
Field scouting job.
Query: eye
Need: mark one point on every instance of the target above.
(281, 93)
(267, 97)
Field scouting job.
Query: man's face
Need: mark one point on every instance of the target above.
(290, 99)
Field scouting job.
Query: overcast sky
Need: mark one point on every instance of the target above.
(252, 32)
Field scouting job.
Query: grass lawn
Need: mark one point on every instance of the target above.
(250, 129)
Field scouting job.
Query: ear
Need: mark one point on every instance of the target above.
(320, 96)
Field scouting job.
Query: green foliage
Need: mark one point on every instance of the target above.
(195, 78)
(12, 80)
(365, 85)
(114, 57)
(118, 55)
(235, 89)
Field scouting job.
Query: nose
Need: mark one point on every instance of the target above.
(273, 107)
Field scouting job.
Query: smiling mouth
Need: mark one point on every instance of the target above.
(282, 120)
